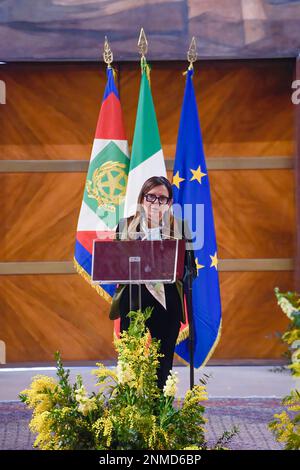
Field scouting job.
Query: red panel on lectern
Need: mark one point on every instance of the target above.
(157, 257)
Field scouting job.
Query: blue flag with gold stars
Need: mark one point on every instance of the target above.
(192, 198)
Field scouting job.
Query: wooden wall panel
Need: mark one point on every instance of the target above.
(51, 113)
(44, 313)
(40, 214)
(236, 103)
(297, 177)
(254, 214)
(52, 109)
(251, 316)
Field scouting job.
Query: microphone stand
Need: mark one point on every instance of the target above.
(188, 288)
(189, 298)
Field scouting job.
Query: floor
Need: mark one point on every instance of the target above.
(224, 381)
(245, 396)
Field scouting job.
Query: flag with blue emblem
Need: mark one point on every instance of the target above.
(192, 197)
(105, 187)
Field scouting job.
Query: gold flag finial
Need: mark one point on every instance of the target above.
(143, 43)
(107, 54)
(192, 52)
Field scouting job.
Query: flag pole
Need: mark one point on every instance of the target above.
(143, 49)
(192, 53)
(191, 57)
(143, 45)
(107, 53)
(108, 57)
(189, 299)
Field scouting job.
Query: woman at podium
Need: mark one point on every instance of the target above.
(153, 220)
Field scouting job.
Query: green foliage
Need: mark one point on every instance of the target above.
(290, 305)
(128, 412)
(286, 426)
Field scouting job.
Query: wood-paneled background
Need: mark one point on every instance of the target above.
(47, 129)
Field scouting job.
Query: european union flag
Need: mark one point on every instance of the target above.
(192, 195)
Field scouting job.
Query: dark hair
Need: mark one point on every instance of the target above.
(147, 186)
(152, 183)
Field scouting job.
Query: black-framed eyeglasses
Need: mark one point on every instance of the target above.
(153, 198)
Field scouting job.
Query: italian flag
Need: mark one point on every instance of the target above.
(147, 157)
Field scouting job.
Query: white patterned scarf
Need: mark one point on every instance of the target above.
(157, 289)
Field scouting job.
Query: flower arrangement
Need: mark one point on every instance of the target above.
(286, 426)
(128, 412)
(290, 305)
